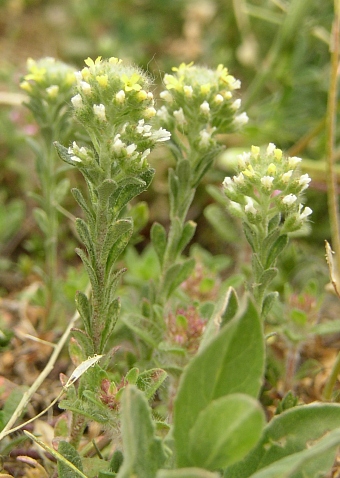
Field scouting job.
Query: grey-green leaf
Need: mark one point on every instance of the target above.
(158, 238)
(143, 452)
(186, 473)
(187, 234)
(177, 274)
(313, 462)
(225, 431)
(71, 455)
(232, 362)
(290, 432)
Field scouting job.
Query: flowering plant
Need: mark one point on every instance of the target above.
(266, 194)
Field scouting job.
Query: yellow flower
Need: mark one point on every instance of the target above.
(249, 172)
(35, 73)
(85, 73)
(271, 168)
(222, 73)
(102, 80)
(182, 66)
(278, 154)
(131, 83)
(89, 62)
(25, 85)
(172, 82)
(255, 151)
(205, 89)
(114, 60)
(142, 95)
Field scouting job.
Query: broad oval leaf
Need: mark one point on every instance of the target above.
(225, 431)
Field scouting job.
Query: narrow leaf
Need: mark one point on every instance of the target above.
(177, 274)
(84, 341)
(86, 238)
(77, 473)
(110, 322)
(268, 303)
(71, 455)
(276, 249)
(84, 206)
(84, 309)
(41, 219)
(250, 236)
(122, 227)
(187, 234)
(158, 238)
(143, 452)
(150, 381)
(89, 269)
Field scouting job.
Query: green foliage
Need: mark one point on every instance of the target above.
(183, 380)
(143, 453)
(212, 375)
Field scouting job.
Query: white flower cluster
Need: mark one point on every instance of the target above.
(268, 184)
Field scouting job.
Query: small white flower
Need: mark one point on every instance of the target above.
(227, 182)
(236, 208)
(218, 99)
(163, 114)
(130, 149)
(149, 96)
(249, 207)
(120, 96)
(270, 149)
(234, 84)
(165, 95)
(205, 108)
(145, 154)
(160, 135)
(78, 76)
(188, 91)
(205, 138)
(267, 182)
(243, 160)
(294, 161)
(86, 87)
(179, 116)
(289, 200)
(286, 176)
(75, 158)
(305, 213)
(77, 101)
(144, 129)
(99, 111)
(241, 119)
(304, 181)
(118, 144)
(239, 179)
(236, 104)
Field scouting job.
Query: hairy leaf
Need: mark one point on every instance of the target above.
(232, 362)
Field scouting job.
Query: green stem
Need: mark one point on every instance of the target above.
(330, 136)
(48, 185)
(332, 379)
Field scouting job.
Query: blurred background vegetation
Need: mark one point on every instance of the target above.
(279, 49)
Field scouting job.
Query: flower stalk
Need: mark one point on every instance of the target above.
(49, 85)
(266, 195)
(115, 105)
(199, 104)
